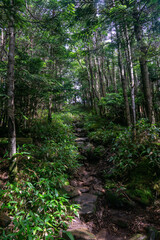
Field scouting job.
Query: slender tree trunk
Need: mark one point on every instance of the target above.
(114, 76)
(109, 74)
(144, 70)
(124, 85)
(101, 79)
(50, 109)
(11, 105)
(131, 72)
(92, 81)
(1, 44)
(89, 83)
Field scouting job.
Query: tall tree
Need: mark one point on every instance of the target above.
(11, 88)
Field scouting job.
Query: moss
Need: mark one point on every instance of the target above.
(110, 184)
(156, 187)
(140, 186)
(144, 196)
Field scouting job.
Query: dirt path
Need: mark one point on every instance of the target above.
(100, 219)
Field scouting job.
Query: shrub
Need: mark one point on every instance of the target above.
(127, 153)
(36, 202)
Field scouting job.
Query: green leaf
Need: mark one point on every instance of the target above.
(69, 234)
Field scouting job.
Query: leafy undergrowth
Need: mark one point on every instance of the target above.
(36, 202)
(134, 164)
(101, 131)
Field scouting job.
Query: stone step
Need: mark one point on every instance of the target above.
(81, 139)
(87, 203)
(79, 130)
(79, 234)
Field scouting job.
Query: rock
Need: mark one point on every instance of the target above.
(120, 222)
(74, 183)
(86, 197)
(88, 181)
(4, 220)
(72, 191)
(99, 188)
(102, 235)
(77, 224)
(79, 234)
(80, 144)
(89, 147)
(87, 208)
(87, 202)
(139, 237)
(81, 139)
(84, 189)
(79, 130)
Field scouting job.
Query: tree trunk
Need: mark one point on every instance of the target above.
(131, 72)
(144, 70)
(114, 75)
(50, 109)
(1, 44)
(124, 85)
(11, 105)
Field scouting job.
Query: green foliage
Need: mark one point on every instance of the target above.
(36, 202)
(114, 105)
(100, 130)
(35, 65)
(127, 153)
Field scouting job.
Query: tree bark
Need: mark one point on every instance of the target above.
(124, 84)
(131, 73)
(10, 93)
(144, 69)
(50, 109)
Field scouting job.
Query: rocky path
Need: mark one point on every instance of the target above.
(99, 219)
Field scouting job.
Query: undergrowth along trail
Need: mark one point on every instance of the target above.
(35, 203)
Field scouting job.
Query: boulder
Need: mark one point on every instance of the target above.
(4, 220)
(87, 202)
(78, 234)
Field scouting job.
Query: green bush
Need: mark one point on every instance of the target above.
(114, 105)
(128, 153)
(36, 201)
(37, 208)
(101, 131)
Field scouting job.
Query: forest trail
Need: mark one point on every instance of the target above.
(101, 218)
